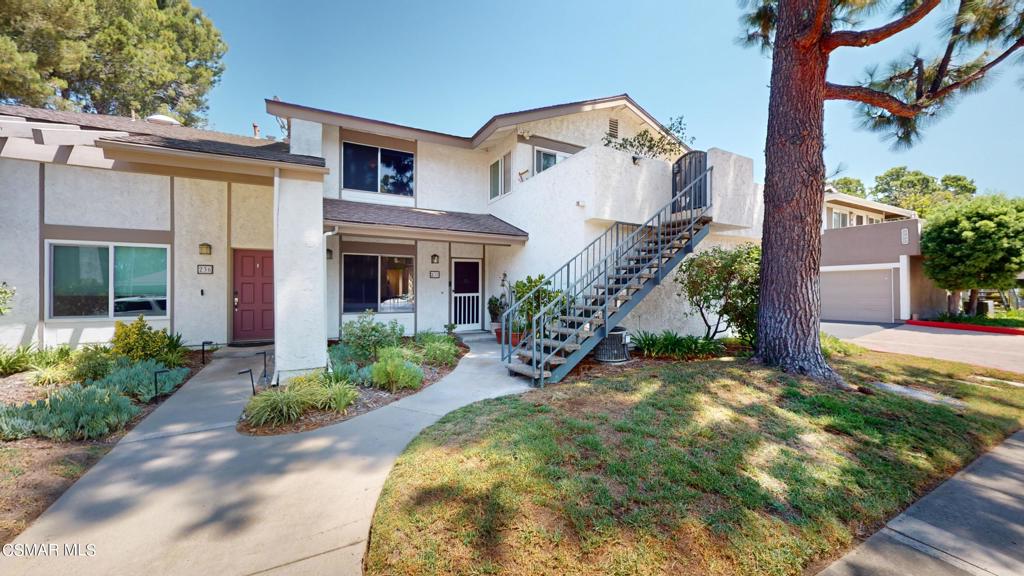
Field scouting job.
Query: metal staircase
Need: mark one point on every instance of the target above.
(549, 330)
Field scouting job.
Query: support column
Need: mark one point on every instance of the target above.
(300, 339)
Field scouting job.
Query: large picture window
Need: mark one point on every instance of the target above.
(384, 284)
(107, 280)
(373, 169)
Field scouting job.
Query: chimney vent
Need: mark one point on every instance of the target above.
(255, 130)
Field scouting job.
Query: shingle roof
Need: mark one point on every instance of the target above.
(168, 136)
(364, 213)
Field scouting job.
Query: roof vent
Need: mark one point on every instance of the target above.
(613, 128)
(162, 119)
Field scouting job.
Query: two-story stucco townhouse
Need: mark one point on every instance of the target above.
(227, 238)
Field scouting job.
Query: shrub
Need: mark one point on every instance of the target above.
(393, 372)
(365, 336)
(91, 362)
(365, 376)
(832, 346)
(135, 379)
(441, 353)
(341, 395)
(646, 342)
(173, 358)
(722, 285)
(72, 413)
(45, 357)
(341, 354)
(50, 375)
(276, 407)
(14, 361)
(424, 338)
(13, 423)
(139, 340)
(345, 371)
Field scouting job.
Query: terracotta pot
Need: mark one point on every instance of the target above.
(515, 337)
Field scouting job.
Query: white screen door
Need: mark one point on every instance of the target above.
(466, 294)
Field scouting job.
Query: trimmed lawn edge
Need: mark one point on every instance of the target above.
(968, 327)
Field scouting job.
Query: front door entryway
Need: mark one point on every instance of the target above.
(253, 296)
(466, 295)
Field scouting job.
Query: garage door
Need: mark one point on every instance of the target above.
(858, 296)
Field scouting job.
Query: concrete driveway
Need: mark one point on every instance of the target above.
(999, 351)
(184, 493)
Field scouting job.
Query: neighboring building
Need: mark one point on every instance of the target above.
(871, 267)
(228, 238)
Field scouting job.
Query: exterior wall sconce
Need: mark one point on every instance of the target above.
(205, 249)
(330, 254)
(435, 259)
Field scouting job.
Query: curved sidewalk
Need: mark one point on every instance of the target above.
(184, 493)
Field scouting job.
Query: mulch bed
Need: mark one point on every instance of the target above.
(591, 368)
(36, 471)
(369, 399)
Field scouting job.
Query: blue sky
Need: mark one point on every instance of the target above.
(448, 65)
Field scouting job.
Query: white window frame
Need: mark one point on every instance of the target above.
(836, 214)
(379, 148)
(559, 157)
(341, 281)
(48, 280)
(500, 161)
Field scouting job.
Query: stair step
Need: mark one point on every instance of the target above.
(619, 287)
(551, 361)
(567, 346)
(570, 331)
(597, 308)
(581, 320)
(640, 275)
(527, 371)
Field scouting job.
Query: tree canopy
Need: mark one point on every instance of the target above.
(915, 190)
(900, 99)
(975, 243)
(110, 56)
(851, 186)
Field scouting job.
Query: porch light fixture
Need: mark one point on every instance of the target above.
(205, 249)
(330, 254)
(435, 259)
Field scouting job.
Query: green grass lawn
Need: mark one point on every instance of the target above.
(1008, 319)
(717, 467)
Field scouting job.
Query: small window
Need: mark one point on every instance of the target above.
(860, 220)
(496, 179)
(544, 160)
(373, 169)
(873, 220)
(840, 219)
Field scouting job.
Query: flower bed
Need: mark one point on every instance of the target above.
(373, 366)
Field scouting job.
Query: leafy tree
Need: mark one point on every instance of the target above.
(975, 243)
(915, 190)
(654, 145)
(851, 186)
(721, 285)
(6, 295)
(801, 35)
(110, 56)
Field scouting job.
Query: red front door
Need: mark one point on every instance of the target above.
(253, 295)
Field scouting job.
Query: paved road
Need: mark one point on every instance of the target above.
(973, 524)
(184, 493)
(1000, 351)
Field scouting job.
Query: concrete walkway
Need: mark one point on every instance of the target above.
(999, 351)
(971, 524)
(184, 493)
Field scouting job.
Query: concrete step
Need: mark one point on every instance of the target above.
(567, 346)
(570, 331)
(525, 358)
(528, 371)
(581, 320)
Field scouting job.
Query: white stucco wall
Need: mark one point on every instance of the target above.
(19, 258)
(300, 339)
(93, 197)
(332, 159)
(737, 201)
(449, 178)
(200, 305)
(252, 216)
(586, 128)
(431, 293)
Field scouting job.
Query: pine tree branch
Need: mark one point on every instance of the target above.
(872, 97)
(979, 73)
(947, 57)
(817, 27)
(863, 38)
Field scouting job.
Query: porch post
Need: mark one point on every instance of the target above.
(300, 338)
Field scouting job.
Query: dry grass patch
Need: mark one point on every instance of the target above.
(717, 467)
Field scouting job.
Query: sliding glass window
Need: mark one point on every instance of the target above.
(384, 284)
(86, 283)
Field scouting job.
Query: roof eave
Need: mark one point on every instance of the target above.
(115, 146)
(418, 233)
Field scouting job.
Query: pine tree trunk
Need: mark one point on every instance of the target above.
(788, 319)
(953, 303)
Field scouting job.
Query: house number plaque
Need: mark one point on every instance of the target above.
(204, 268)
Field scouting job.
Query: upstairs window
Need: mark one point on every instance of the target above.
(544, 159)
(501, 176)
(373, 169)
